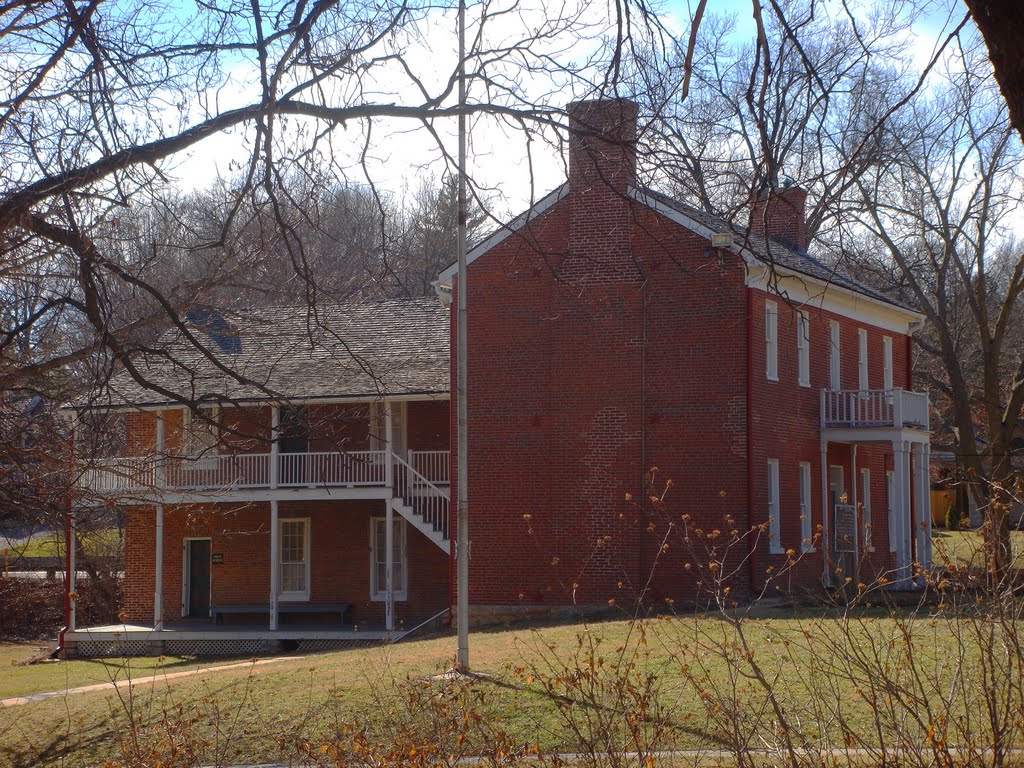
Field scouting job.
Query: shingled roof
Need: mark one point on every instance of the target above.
(769, 251)
(370, 349)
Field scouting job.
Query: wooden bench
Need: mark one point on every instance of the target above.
(219, 611)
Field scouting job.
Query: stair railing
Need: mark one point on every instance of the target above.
(428, 501)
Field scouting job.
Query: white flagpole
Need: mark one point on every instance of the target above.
(462, 542)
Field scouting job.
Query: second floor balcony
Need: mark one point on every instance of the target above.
(217, 472)
(874, 409)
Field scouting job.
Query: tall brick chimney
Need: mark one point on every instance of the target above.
(780, 214)
(602, 144)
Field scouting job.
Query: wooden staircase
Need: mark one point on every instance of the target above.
(422, 503)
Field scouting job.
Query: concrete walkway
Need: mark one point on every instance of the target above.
(156, 677)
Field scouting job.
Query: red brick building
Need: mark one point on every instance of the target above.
(260, 514)
(612, 331)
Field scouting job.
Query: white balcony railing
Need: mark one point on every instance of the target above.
(873, 408)
(433, 465)
(215, 471)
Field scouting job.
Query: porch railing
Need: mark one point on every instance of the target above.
(870, 408)
(252, 470)
(433, 465)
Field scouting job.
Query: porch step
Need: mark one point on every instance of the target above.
(417, 521)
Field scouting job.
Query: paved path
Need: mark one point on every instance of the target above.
(156, 677)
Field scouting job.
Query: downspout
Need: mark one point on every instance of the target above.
(641, 576)
(750, 442)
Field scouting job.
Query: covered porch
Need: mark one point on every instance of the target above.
(895, 420)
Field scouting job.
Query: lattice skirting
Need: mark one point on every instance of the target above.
(219, 647)
(102, 648)
(306, 646)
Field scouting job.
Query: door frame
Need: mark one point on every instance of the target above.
(186, 571)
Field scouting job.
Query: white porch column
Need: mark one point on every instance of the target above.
(389, 566)
(389, 449)
(275, 447)
(922, 491)
(158, 591)
(275, 562)
(901, 469)
(159, 477)
(826, 552)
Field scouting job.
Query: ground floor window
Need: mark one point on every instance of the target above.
(378, 559)
(294, 558)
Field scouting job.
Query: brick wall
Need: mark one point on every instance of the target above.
(576, 389)
(339, 564)
(785, 426)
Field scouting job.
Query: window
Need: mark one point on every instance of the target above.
(774, 527)
(834, 371)
(862, 360)
(294, 545)
(803, 348)
(890, 487)
(200, 432)
(865, 508)
(887, 362)
(771, 338)
(378, 559)
(806, 527)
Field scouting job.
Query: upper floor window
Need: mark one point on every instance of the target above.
(200, 431)
(771, 338)
(834, 370)
(887, 362)
(803, 348)
(862, 360)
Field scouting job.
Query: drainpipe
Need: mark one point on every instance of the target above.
(642, 496)
(750, 442)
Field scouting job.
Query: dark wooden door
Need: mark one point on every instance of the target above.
(198, 578)
(294, 440)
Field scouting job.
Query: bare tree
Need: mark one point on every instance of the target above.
(943, 207)
(100, 99)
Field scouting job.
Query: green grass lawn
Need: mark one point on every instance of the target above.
(96, 543)
(558, 688)
(19, 679)
(965, 547)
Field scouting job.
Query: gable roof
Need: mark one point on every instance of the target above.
(359, 350)
(754, 247)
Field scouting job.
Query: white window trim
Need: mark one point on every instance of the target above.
(803, 348)
(771, 337)
(890, 486)
(192, 430)
(887, 362)
(835, 370)
(865, 509)
(294, 596)
(863, 382)
(378, 592)
(806, 511)
(774, 509)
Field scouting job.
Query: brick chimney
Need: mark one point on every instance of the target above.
(602, 144)
(780, 214)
